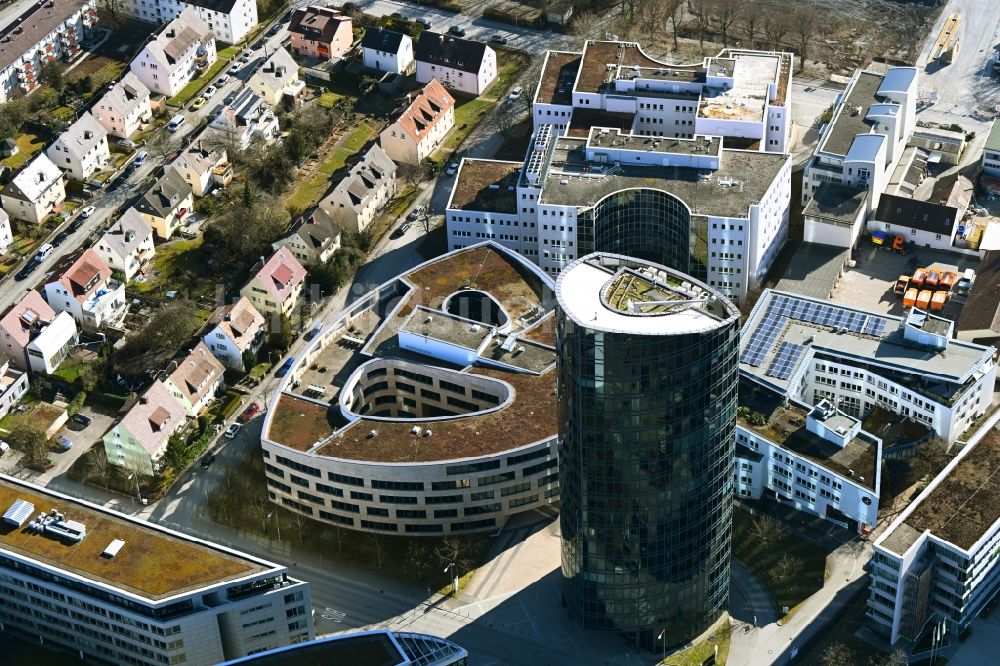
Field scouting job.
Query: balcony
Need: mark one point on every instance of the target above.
(223, 173)
(106, 306)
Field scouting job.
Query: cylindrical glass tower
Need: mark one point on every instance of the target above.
(647, 399)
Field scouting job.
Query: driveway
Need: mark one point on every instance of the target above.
(83, 438)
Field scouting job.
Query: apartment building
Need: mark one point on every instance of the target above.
(247, 119)
(82, 149)
(935, 566)
(124, 108)
(865, 140)
(81, 285)
(120, 590)
(421, 127)
(37, 190)
(809, 350)
(991, 152)
(139, 439)
(230, 20)
(166, 204)
(183, 49)
(720, 215)
(321, 33)
(313, 239)
(13, 386)
(277, 81)
(464, 65)
(127, 244)
(387, 50)
(235, 331)
(740, 95)
(45, 31)
(360, 194)
(275, 286)
(202, 167)
(21, 324)
(196, 379)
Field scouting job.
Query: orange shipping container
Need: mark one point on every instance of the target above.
(919, 276)
(924, 299)
(938, 300)
(948, 280)
(933, 277)
(909, 298)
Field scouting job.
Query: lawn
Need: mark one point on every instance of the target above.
(194, 87)
(510, 65)
(178, 263)
(698, 653)
(762, 560)
(102, 70)
(468, 114)
(69, 370)
(346, 148)
(329, 98)
(309, 191)
(28, 145)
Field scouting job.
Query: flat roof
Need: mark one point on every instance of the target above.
(813, 270)
(993, 140)
(555, 85)
(742, 178)
(597, 55)
(486, 185)
(962, 504)
(615, 138)
(525, 295)
(872, 338)
(849, 122)
(838, 202)
(752, 75)
(446, 327)
(368, 648)
(786, 427)
(154, 563)
(613, 293)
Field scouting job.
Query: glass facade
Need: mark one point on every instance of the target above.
(647, 425)
(650, 225)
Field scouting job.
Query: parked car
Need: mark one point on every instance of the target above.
(87, 212)
(452, 169)
(232, 430)
(514, 94)
(398, 15)
(125, 143)
(247, 56)
(65, 443)
(198, 103)
(4, 447)
(82, 419)
(424, 22)
(400, 231)
(230, 98)
(44, 251)
(209, 91)
(140, 158)
(285, 367)
(60, 237)
(24, 272)
(457, 31)
(415, 213)
(176, 122)
(314, 331)
(221, 81)
(76, 223)
(250, 412)
(208, 460)
(235, 67)
(498, 39)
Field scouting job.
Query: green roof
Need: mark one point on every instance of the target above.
(993, 141)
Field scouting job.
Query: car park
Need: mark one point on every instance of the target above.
(87, 212)
(232, 430)
(498, 39)
(457, 31)
(250, 412)
(285, 367)
(81, 419)
(424, 22)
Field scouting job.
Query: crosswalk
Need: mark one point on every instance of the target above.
(333, 615)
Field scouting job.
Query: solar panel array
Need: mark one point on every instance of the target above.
(781, 308)
(785, 360)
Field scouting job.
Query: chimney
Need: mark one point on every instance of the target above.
(88, 135)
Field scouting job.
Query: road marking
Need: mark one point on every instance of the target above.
(333, 615)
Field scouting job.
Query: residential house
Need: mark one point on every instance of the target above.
(923, 223)
(45, 31)
(460, 64)
(127, 244)
(196, 379)
(37, 190)
(321, 33)
(34, 337)
(358, 196)
(13, 386)
(165, 205)
(230, 20)
(277, 81)
(82, 149)
(387, 50)
(202, 167)
(247, 119)
(181, 51)
(421, 127)
(139, 439)
(124, 108)
(235, 331)
(313, 239)
(6, 236)
(275, 286)
(81, 284)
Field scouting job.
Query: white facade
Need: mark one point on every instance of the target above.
(230, 20)
(235, 330)
(124, 108)
(35, 191)
(249, 118)
(421, 127)
(81, 285)
(358, 197)
(6, 236)
(384, 59)
(82, 149)
(459, 64)
(61, 603)
(991, 152)
(127, 244)
(13, 386)
(182, 50)
(49, 348)
(50, 30)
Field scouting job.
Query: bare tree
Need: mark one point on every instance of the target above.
(702, 10)
(378, 546)
(260, 508)
(414, 174)
(98, 466)
(725, 13)
(586, 25)
(766, 530)
(650, 16)
(897, 658)
(675, 12)
(804, 21)
(114, 10)
(787, 567)
(750, 15)
(507, 116)
(838, 654)
(776, 25)
(161, 143)
(419, 556)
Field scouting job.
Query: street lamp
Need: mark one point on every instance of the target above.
(454, 581)
(663, 642)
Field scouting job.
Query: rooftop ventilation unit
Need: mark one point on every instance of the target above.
(113, 548)
(18, 512)
(372, 434)
(415, 430)
(428, 432)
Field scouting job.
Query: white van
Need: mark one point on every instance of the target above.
(140, 158)
(175, 123)
(44, 251)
